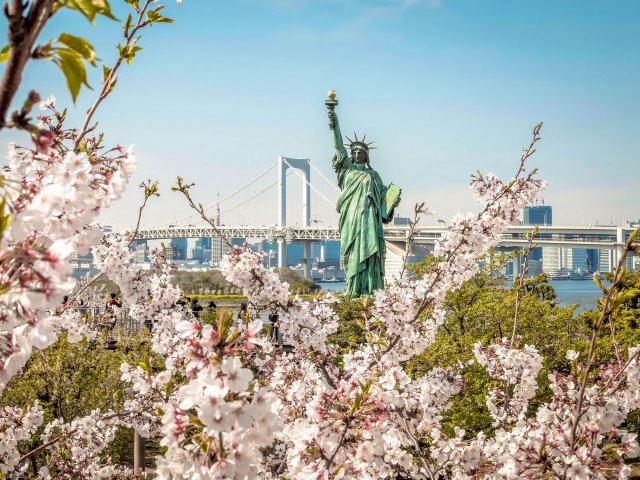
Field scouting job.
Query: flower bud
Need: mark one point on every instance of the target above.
(44, 140)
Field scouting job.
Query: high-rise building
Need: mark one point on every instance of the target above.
(578, 260)
(83, 265)
(605, 260)
(179, 246)
(593, 257)
(552, 261)
(333, 250)
(197, 253)
(140, 251)
(218, 250)
(204, 243)
(537, 215)
(564, 261)
(202, 250)
(295, 254)
(238, 241)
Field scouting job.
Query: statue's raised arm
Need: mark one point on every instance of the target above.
(334, 125)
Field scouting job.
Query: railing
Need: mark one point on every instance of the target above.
(101, 319)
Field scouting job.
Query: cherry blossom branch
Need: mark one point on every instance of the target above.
(418, 211)
(629, 246)
(150, 190)
(55, 440)
(629, 361)
(516, 186)
(525, 269)
(417, 449)
(326, 375)
(329, 461)
(183, 188)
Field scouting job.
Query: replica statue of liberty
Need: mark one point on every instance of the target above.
(365, 203)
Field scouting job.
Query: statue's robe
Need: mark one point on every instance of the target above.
(362, 210)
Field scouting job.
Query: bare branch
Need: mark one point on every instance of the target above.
(108, 81)
(22, 32)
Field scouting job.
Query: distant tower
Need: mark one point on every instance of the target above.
(218, 211)
(537, 215)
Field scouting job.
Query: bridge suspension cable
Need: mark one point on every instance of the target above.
(333, 185)
(309, 184)
(244, 187)
(269, 187)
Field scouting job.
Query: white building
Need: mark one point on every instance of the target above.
(562, 261)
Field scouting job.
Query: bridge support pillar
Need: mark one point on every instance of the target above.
(307, 259)
(303, 165)
(282, 253)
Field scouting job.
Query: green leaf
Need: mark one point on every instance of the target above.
(5, 220)
(79, 45)
(145, 364)
(154, 16)
(112, 84)
(128, 52)
(127, 24)
(73, 69)
(105, 72)
(169, 387)
(90, 8)
(4, 53)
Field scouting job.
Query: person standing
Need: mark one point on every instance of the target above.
(242, 314)
(109, 319)
(196, 308)
(273, 320)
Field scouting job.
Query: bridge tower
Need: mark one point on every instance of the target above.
(304, 166)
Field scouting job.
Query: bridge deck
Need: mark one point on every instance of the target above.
(551, 236)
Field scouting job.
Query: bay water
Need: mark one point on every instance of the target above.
(570, 292)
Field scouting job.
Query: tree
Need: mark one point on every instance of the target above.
(297, 281)
(481, 310)
(70, 380)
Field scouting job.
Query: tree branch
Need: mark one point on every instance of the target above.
(22, 32)
(107, 83)
(596, 328)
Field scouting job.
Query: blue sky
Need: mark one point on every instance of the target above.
(443, 87)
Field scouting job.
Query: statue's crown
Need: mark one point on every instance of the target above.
(353, 144)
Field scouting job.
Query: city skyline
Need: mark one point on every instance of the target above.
(443, 88)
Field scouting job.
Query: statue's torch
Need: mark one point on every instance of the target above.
(331, 104)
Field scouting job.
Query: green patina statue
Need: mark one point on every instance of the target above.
(365, 203)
